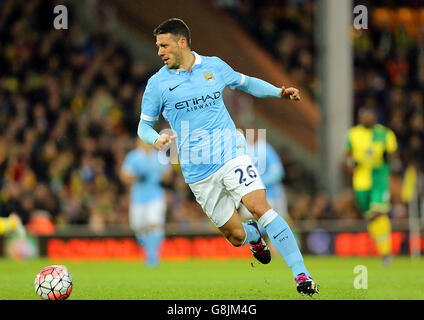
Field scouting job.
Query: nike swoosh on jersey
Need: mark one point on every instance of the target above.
(170, 89)
(248, 184)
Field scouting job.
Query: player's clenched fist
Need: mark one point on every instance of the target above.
(290, 93)
(164, 140)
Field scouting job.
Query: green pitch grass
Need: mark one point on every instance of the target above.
(219, 280)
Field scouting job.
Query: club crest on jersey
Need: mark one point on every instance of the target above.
(209, 77)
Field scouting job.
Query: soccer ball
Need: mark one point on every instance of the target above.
(53, 283)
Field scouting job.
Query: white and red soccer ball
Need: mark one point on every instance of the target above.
(53, 283)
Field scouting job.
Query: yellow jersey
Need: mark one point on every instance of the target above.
(367, 146)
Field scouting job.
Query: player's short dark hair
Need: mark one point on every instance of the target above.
(174, 26)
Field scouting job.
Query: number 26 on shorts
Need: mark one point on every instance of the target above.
(250, 172)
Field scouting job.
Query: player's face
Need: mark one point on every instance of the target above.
(367, 118)
(169, 50)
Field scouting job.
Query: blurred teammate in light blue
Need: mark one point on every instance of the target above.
(143, 171)
(271, 171)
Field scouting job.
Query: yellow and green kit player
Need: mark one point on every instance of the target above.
(368, 148)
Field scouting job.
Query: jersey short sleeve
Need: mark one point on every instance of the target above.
(231, 78)
(391, 143)
(151, 103)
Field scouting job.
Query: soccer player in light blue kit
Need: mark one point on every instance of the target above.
(143, 171)
(187, 91)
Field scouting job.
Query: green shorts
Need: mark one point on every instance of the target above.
(376, 199)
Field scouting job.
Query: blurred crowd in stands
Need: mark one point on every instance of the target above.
(70, 106)
(388, 75)
(69, 111)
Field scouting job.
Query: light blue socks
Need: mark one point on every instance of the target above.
(283, 240)
(252, 234)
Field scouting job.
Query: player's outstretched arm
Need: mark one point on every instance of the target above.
(262, 89)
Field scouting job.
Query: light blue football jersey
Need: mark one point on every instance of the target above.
(147, 168)
(193, 105)
(272, 172)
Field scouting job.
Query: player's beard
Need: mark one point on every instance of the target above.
(177, 61)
